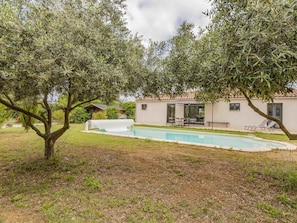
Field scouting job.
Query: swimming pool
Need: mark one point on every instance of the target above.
(225, 141)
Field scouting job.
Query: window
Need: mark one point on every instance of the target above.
(194, 113)
(234, 106)
(275, 110)
(143, 106)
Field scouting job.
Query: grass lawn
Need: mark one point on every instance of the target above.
(100, 178)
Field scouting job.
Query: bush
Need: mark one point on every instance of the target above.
(130, 108)
(79, 115)
(58, 116)
(112, 113)
(99, 115)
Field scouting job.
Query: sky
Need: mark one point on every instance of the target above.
(159, 19)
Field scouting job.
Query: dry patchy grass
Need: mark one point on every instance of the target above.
(99, 178)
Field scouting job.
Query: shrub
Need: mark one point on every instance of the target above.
(130, 108)
(99, 115)
(112, 113)
(79, 115)
(58, 116)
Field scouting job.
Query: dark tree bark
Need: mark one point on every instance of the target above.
(49, 150)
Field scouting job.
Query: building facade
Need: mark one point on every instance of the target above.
(235, 114)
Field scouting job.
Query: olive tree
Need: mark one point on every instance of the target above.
(168, 63)
(79, 49)
(254, 51)
(249, 49)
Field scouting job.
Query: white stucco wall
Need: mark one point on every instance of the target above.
(237, 119)
(247, 116)
(156, 112)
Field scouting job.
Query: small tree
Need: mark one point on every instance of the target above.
(256, 51)
(79, 49)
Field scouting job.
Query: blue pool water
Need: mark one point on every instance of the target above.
(206, 139)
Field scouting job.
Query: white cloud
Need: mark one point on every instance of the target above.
(159, 19)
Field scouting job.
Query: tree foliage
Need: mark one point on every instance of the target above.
(259, 45)
(249, 48)
(5, 114)
(257, 56)
(81, 49)
(169, 63)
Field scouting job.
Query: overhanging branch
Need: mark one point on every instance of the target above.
(81, 103)
(279, 122)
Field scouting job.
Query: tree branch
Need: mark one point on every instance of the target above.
(81, 103)
(279, 122)
(38, 132)
(8, 98)
(56, 134)
(19, 109)
(48, 110)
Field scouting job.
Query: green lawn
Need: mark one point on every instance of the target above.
(100, 178)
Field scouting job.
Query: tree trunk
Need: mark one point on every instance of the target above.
(49, 148)
(50, 140)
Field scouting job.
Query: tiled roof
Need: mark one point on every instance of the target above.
(103, 107)
(191, 96)
(100, 106)
(289, 95)
(185, 96)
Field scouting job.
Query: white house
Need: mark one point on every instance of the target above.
(236, 114)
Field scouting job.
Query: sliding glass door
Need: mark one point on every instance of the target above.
(170, 113)
(194, 113)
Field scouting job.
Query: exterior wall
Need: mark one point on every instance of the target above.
(237, 119)
(246, 116)
(156, 112)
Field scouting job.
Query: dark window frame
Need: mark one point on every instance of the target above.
(171, 119)
(194, 113)
(234, 107)
(143, 106)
